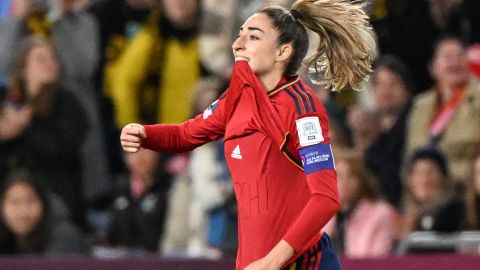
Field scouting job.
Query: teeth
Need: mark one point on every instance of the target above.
(242, 58)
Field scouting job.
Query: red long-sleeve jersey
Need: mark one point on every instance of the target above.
(278, 152)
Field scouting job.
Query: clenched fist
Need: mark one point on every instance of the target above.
(131, 137)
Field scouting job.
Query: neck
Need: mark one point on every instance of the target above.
(22, 242)
(446, 91)
(270, 80)
(388, 119)
(33, 89)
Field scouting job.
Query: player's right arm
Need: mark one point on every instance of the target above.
(204, 128)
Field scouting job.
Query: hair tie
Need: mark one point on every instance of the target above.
(295, 14)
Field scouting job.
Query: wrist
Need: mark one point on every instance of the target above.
(280, 254)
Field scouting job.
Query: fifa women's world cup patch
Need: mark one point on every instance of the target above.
(210, 109)
(317, 157)
(309, 130)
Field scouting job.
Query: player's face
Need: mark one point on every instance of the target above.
(425, 180)
(22, 209)
(257, 44)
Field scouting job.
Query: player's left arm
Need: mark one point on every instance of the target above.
(310, 136)
(313, 145)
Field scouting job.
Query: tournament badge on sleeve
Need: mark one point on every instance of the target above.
(309, 131)
(210, 109)
(315, 155)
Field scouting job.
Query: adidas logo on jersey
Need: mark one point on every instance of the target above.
(236, 153)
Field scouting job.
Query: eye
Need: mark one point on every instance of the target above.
(252, 37)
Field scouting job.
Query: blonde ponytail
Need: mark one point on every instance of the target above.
(346, 46)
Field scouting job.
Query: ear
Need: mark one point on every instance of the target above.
(285, 51)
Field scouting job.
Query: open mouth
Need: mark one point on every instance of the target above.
(241, 58)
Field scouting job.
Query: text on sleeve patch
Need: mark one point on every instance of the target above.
(309, 131)
(316, 158)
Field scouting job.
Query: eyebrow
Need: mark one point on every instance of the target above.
(252, 29)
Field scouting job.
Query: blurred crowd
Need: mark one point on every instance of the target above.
(74, 72)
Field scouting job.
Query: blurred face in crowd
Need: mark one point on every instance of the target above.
(362, 123)
(22, 209)
(390, 92)
(28, 7)
(143, 163)
(348, 183)
(41, 68)
(425, 180)
(257, 44)
(450, 64)
(181, 13)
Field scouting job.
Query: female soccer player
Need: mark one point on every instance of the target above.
(276, 131)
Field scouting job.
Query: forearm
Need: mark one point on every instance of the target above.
(280, 254)
(320, 208)
(166, 138)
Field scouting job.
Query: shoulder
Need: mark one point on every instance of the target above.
(422, 99)
(66, 238)
(422, 106)
(473, 90)
(376, 209)
(298, 98)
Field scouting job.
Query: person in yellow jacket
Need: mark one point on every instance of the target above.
(153, 79)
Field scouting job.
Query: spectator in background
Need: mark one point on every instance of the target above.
(167, 65)
(367, 225)
(430, 201)
(392, 86)
(338, 136)
(409, 28)
(139, 210)
(27, 223)
(364, 127)
(119, 21)
(472, 216)
(74, 34)
(448, 115)
(165, 54)
(42, 125)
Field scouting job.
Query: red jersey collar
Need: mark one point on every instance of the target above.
(282, 84)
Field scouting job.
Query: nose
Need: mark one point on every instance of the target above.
(238, 44)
